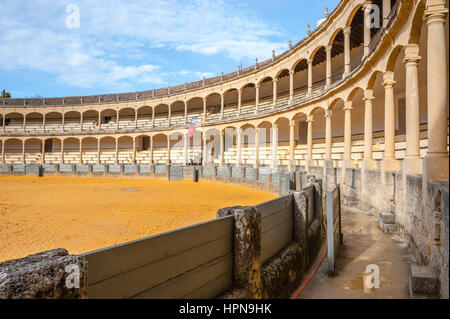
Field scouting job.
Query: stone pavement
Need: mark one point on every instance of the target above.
(364, 244)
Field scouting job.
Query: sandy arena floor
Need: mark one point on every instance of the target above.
(83, 214)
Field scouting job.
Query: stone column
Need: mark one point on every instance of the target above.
(43, 151)
(62, 151)
(257, 99)
(2, 159)
(256, 164)
(389, 162)
(309, 120)
(348, 135)
(367, 7)
(239, 144)
(3, 152)
(239, 102)
(23, 152)
(328, 66)
(81, 121)
(4, 123)
(151, 150)
(118, 119)
(186, 148)
(99, 120)
(43, 122)
(135, 118)
(222, 147)
(291, 163)
(328, 114)
(134, 150)
(412, 163)
(117, 151)
(204, 109)
(222, 105)
(386, 11)
(309, 77)
(274, 145)
(185, 112)
(291, 87)
(169, 116)
(80, 160)
(153, 117)
(63, 121)
(368, 138)
(98, 151)
(24, 122)
(275, 85)
(168, 149)
(436, 162)
(347, 51)
(204, 162)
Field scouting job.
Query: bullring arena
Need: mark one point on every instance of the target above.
(359, 107)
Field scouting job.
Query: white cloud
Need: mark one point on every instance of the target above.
(115, 36)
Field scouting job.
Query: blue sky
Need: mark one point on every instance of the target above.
(136, 45)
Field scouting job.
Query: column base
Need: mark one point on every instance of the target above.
(412, 165)
(368, 164)
(436, 167)
(348, 163)
(390, 164)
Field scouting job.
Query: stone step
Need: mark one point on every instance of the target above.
(387, 218)
(423, 280)
(387, 228)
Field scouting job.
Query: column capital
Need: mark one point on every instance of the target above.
(368, 95)
(411, 54)
(347, 30)
(435, 11)
(348, 106)
(310, 118)
(367, 5)
(328, 113)
(274, 125)
(275, 80)
(388, 79)
(329, 47)
(291, 72)
(292, 123)
(309, 61)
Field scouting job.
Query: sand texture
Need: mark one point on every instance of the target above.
(84, 214)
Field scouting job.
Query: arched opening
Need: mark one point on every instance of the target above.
(125, 150)
(89, 150)
(108, 119)
(34, 122)
(337, 57)
(282, 155)
(127, 119)
(265, 139)
(13, 151)
(108, 150)
(300, 79)
(144, 118)
(300, 139)
(161, 115)
(230, 103)
(337, 131)
(177, 155)
(248, 99)
(71, 150)
(213, 107)
(319, 58)
(230, 145)
(90, 120)
(177, 110)
(13, 122)
(72, 121)
(248, 145)
(53, 122)
(318, 136)
(195, 109)
(160, 153)
(357, 114)
(283, 87)
(356, 38)
(265, 94)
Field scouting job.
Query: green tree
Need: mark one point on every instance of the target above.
(5, 95)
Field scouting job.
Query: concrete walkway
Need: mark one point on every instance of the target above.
(364, 244)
